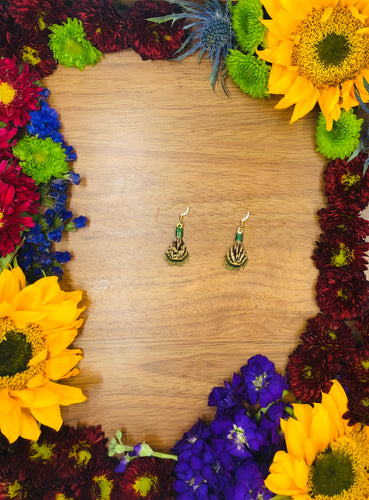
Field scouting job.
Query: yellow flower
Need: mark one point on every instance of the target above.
(326, 459)
(319, 50)
(37, 324)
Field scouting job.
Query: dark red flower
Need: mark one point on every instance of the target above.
(310, 371)
(330, 335)
(358, 406)
(19, 93)
(347, 224)
(342, 293)
(7, 26)
(7, 137)
(361, 325)
(104, 25)
(18, 200)
(16, 490)
(345, 184)
(152, 40)
(32, 48)
(334, 252)
(103, 482)
(81, 451)
(148, 478)
(37, 15)
(357, 369)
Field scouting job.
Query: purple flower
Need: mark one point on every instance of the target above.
(237, 435)
(249, 483)
(228, 398)
(263, 384)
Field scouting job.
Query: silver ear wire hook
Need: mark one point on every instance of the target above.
(245, 218)
(184, 213)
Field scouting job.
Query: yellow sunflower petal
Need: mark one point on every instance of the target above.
(59, 341)
(304, 413)
(67, 395)
(328, 102)
(36, 381)
(10, 423)
(10, 283)
(49, 415)
(272, 6)
(322, 432)
(348, 99)
(41, 356)
(6, 403)
(295, 436)
(37, 397)
(49, 289)
(288, 475)
(299, 9)
(22, 318)
(28, 427)
(59, 366)
(304, 107)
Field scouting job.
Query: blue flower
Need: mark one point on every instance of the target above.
(44, 122)
(211, 32)
(263, 384)
(249, 483)
(237, 435)
(228, 398)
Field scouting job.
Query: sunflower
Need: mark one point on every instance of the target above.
(37, 324)
(326, 459)
(319, 50)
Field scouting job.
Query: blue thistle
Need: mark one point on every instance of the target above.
(212, 32)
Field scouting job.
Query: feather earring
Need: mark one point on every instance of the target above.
(236, 256)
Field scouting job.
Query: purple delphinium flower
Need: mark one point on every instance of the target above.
(263, 384)
(228, 398)
(236, 434)
(248, 484)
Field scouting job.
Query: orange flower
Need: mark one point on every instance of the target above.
(37, 324)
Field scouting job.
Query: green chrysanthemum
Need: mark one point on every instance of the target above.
(248, 72)
(41, 159)
(70, 47)
(246, 24)
(342, 140)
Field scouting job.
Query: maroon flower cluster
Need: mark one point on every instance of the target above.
(18, 200)
(24, 32)
(336, 342)
(74, 463)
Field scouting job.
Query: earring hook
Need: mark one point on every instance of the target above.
(184, 213)
(245, 218)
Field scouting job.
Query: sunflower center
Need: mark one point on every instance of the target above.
(18, 348)
(328, 47)
(332, 473)
(7, 93)
(15, 353)
(145, 484)
(215, 35)
(30, 55)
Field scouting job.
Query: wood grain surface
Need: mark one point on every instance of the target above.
(151, 137)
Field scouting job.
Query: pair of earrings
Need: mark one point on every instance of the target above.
(235, 258)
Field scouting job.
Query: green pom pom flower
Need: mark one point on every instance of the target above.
(249, 73)
(70, 47)
(342, 140)
(41, 159)
(245, 20)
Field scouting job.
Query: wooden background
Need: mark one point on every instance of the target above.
(151, 136)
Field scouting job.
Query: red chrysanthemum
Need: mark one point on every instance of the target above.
(18, 199)
(361, 325)
(81, 451)
(7, 26)
(358, 406)
(357, 369)
(19, 93)
(148, 478)
(151, 40)
(7, 137)
(103, 479)
(345, 184)
(104, 25)
(330, 335)
(342, 294)
(37, 15)
(32, 48)
(334, 252)
(310, 371)
(347, 224)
